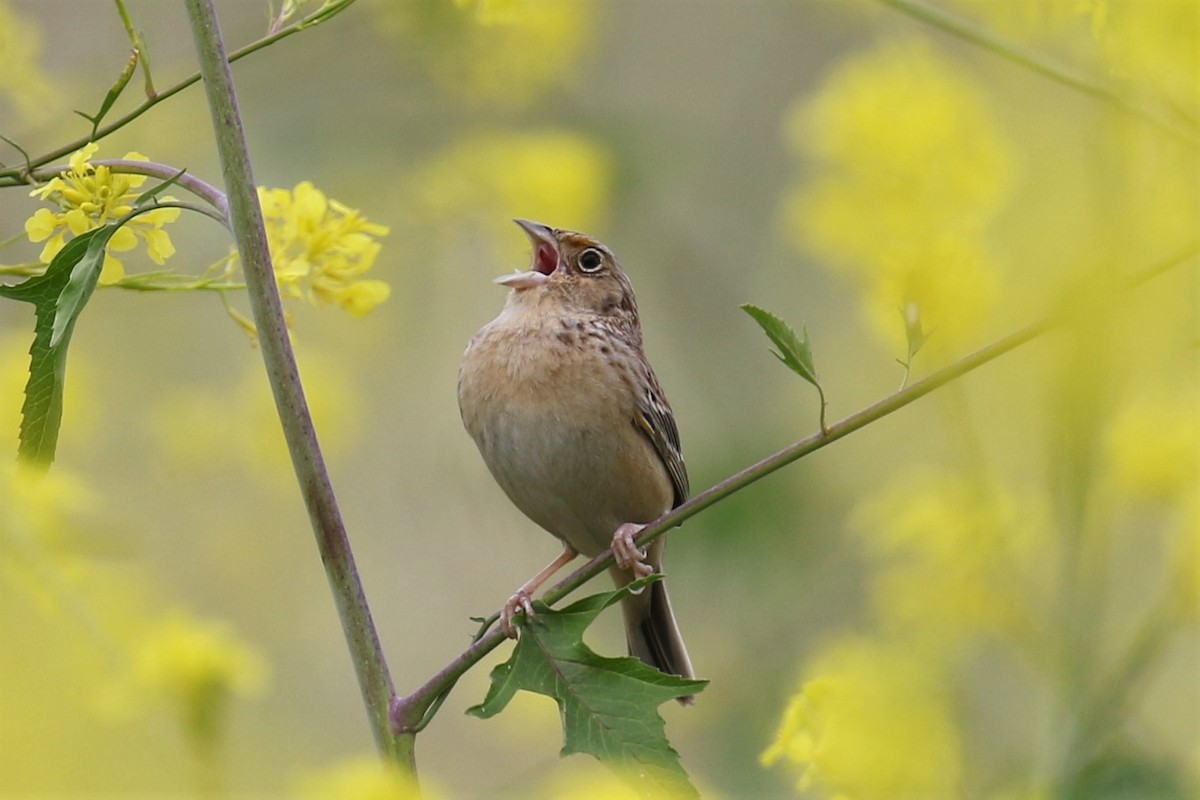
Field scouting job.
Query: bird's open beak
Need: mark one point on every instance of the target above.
(545, 257)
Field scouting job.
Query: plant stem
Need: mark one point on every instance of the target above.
(135, 39)
(15, 176)
(411, 712)
(332, 542)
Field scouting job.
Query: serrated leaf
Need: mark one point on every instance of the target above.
(794, 351)
(81, 283)
(41, 413)
(609, 706)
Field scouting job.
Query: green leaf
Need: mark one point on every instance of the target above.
(80, 284)
(609, 706)
(41, 412)
(151, 194)
(113, 94)
(794, 351)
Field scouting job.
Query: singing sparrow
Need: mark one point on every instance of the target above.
(571, 421)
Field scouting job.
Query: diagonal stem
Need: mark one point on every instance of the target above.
(982, 37)
(16, 176)
(332, 541)
(412, 712)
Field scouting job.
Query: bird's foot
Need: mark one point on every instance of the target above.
(518, 603)
(626, 552)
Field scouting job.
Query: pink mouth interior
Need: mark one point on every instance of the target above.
(545, 259)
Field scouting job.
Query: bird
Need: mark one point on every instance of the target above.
(573, 425)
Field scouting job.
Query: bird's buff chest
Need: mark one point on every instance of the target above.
(542, 396)
(540, 384)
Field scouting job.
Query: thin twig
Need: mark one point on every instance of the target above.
(17, 176)
(988, 40)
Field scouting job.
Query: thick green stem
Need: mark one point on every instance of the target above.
(332, 542)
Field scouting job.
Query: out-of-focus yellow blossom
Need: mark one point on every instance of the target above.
(321, 248)
(37, 511)
(910, 169)
(872, 723)
(198, 666)
(1154, 46)
(366, 778)
(506, 52)
(88, 197)
(956, 556)
(1153, 444)
(21, 79)
(552, 176)
(214, 427)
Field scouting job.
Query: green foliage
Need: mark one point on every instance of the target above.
(151, 195)
(112, 95)
(58, 296)
(1127, 776)
(608, 705)
(915, 333)
(794, 351)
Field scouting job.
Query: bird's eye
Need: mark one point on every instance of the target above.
(590, 260)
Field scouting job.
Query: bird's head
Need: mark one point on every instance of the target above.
(574, 269)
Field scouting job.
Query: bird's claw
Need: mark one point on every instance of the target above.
(518, 603)
(626, 552)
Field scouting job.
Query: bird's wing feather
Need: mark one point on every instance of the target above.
(655, 420)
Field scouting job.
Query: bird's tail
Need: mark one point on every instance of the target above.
(653, 634)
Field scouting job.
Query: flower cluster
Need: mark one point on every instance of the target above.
(1032, 593)
(489, 178)
(88, 196)
(875, 723)
(22, 81)
(321, 249)
(494, 52)
(910, 169)
(197, 666)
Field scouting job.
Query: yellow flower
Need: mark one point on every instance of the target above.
(553, 176)
(874, 723)
(506, 52)
(955, 557)
(21, 79)
(1153, 45)
(197, 665)
(1153, 444)
(222, 427)
(910, 169)
(322, 248)
(365, 778)
(87, 197)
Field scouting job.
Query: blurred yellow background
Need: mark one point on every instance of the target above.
(956, 586)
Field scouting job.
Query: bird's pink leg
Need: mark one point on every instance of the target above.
(627, 554)
(521, 599)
